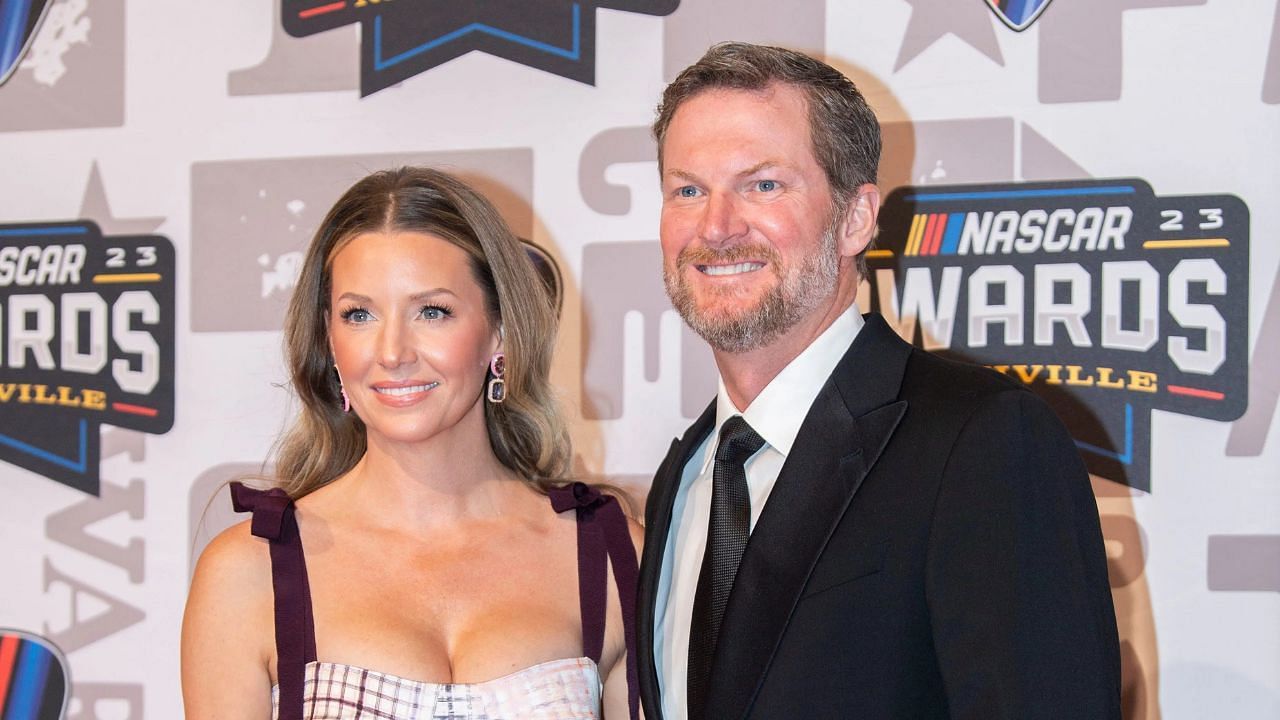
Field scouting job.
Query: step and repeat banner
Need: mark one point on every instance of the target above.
(1080, 194)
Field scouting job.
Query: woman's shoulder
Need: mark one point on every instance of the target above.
(630, 508)
(234, 562)
(231, 597)
(227, 640)
(637, 534)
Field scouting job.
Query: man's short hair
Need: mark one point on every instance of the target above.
(843, 129)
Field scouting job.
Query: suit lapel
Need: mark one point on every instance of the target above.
(658, 509)
(842, 436)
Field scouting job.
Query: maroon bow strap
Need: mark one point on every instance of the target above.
(576, 495)
(268, 508)
(273, 519)
(603, 537)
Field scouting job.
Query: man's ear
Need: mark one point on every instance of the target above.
(858, 226)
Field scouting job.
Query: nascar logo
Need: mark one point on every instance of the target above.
(1036, 230)
(1107, 300)
(34, 682)
(19, 20)
(86, 337)
(1018, 14)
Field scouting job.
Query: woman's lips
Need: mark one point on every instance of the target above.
(401, 394)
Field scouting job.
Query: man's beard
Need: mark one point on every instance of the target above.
(745, 328)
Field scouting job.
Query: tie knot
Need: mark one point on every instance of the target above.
(737, 441)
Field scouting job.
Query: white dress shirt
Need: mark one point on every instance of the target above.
(776, 415)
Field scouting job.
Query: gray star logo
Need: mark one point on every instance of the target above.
(931, 20)
(95, 207)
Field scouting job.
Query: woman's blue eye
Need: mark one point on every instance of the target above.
(356, 315)
(767, 185)
(435, 312)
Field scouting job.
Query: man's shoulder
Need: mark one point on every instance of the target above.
(936, 380)
(880, 355)
(951, 398)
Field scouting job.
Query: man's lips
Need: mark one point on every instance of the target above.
(729, 270)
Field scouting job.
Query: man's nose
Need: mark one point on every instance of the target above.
(722, 220)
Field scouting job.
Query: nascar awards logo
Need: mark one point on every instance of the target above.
(86, 338)
(401, 38)
(1107, 300)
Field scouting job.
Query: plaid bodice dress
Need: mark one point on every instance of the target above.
(567, 689)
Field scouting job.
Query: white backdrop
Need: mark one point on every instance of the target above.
(209, 125)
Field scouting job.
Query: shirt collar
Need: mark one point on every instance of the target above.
(778, 411)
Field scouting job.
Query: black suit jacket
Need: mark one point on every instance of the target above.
(931, 550)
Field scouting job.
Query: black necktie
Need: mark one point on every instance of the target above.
(726, 540)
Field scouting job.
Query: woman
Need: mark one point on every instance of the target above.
(437, 580)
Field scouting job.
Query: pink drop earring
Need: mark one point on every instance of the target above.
(497, 386)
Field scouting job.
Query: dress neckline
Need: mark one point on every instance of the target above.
(585, 663)
(604, 540)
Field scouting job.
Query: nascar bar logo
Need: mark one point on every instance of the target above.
(86, 338)
(401, 38)
(1105, 299)
(1018, 14)
(34, 678)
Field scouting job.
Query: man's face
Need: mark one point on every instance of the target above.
(748, 237)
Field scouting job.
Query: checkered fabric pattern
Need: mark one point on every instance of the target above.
(557, 690)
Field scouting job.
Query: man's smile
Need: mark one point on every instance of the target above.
(723, 270)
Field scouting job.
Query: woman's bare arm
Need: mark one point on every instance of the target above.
(615, 682)
(227, 631)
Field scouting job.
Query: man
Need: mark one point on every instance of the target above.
(854, 528)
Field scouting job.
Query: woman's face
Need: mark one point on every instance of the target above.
(410, 334)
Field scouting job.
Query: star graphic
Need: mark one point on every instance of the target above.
(931, 20)
(95, 207)
(402, 39)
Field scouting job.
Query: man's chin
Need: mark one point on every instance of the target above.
(730, 318)
(730, 330)
(728, 299)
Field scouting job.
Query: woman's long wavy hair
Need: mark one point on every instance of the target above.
(526, 431)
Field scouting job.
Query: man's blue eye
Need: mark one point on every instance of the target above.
(767, 185)
(688, 191)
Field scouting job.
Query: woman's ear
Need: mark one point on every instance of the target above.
(499, 341)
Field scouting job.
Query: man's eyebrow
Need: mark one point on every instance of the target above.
(758, 167)
(681, 174)
(764, 165)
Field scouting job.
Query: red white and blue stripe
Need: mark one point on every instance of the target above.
(33, 678)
